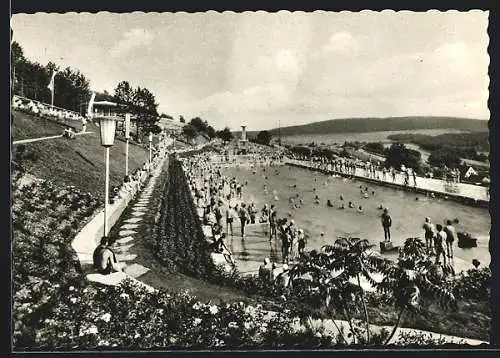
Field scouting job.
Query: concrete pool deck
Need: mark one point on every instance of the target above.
(465, 193)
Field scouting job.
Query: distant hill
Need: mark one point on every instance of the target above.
(360, 125)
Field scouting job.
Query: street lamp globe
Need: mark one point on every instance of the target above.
(107, 126)
(106, 113)
(127, 125)
(150, 137)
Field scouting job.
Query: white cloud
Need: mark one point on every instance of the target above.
(341, 42)
(131, 39)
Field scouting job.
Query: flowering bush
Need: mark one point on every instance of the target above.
(130, 317)
(473, 284)
(419, 339)
(44, 221)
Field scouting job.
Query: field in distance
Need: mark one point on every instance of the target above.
(340, 138)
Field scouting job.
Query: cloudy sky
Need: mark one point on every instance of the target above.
(259, 68)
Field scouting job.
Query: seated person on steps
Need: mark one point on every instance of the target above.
(104, 258)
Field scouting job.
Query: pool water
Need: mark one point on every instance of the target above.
(407, 213)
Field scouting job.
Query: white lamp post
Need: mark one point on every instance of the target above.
(150, 144)
(107, 126)
(127, 137)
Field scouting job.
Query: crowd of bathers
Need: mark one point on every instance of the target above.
(348, 166)
(220, 199)
(220, 203)
(252, 154)
(439, 239)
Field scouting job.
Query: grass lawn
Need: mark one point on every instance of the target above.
(78, 162)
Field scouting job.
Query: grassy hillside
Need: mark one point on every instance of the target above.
(78, 162)
(346, 125)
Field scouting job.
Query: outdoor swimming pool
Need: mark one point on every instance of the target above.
(408, 214)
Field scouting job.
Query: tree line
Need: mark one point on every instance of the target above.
(72, 91)
(31, 80)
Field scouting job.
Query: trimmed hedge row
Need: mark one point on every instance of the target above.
(180, 243)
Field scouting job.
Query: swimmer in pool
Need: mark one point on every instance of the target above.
(380, 207)
(351, 205)
(341, 197)
(360, 209)
(329, 203)
(365, 195)
(301, 201)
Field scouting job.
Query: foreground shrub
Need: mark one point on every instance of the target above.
(130, 317)
(45, 220)
(419, 339)
(473, 284)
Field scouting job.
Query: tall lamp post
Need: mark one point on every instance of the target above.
(127, 137)
(150, 144)
(107, 125)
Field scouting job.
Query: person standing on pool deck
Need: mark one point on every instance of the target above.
(439, 244)
(230, 214)
(386, 224)
(252, 210)
(451, 235)
(429, 232)
(301, 242)
(244, 218)
(218, 213)
(285, 245)
(272, 222)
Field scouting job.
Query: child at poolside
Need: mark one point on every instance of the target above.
(439, 244)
